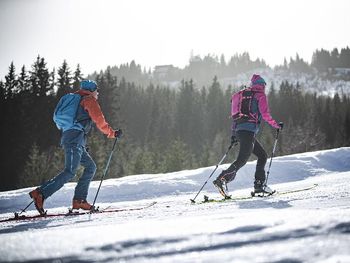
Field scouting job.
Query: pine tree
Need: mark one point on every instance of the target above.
(77, 78)
(23, 83)
(321, 60)
(43, 78)
(11, 82)
(187, 116)
(41, 105)
(164, 123)
(177, 157)
(143, 161)
(36, 168)
(344, 58)
(347, 127)
(64, 84)
(335, 58)
(11, 131)
(34, 78)
(2, 93)
(217, 118)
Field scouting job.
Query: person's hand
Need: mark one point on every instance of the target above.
(118, 133)
(281, 124)
(233, 139)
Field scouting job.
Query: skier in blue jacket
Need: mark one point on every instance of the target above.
(73, 142)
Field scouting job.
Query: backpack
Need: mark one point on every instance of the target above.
(241, 106)
(65, 112)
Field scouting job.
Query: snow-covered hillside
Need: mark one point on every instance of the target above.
(309, 82)
(306, 226)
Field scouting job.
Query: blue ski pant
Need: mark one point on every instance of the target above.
(74, 155)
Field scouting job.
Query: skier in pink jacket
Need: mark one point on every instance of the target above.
(246, 124)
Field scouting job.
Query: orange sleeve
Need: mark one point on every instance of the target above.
(91, 105)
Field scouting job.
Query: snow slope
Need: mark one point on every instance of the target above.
(312, 83)
(308, 226)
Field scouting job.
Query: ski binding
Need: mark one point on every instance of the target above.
(262, 194)
(94, 209)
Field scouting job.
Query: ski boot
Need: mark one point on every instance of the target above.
(82, 204)
(221, 185)
(222, 180)
(38, 200)
(261, 189)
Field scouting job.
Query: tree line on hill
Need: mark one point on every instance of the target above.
(165, 129)
(203, 69)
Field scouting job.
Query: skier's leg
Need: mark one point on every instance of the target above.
(260, 152)
(246, 141)
(81, 190)
(246, 144)
(260, 176)
(73, 155)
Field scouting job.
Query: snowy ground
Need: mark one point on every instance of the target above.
(308, 226)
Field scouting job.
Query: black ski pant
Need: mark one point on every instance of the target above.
(248, 144)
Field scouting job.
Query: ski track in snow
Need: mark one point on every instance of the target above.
(306, 226)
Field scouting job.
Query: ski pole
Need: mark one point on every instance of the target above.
(272, 155)
(24, 209)
(106, 169)
(216, 167)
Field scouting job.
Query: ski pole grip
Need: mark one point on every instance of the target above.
(281, 124)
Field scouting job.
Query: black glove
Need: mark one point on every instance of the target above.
(233, 139)
(281, 124)
(118, 133)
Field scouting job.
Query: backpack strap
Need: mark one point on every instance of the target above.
(77, 119)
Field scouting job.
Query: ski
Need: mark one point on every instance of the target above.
(70, 213)
(262, 194)
(251, 196)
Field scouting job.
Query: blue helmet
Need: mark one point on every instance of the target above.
(89, 85)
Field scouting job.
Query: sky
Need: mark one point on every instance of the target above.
(101, 33)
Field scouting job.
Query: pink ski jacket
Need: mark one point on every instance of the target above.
(262, 109)
(263, 105)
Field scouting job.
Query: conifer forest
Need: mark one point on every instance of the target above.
(165, 129)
